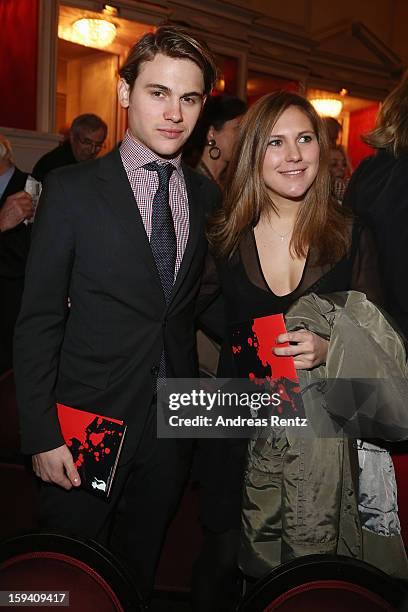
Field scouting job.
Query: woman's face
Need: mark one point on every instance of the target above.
(226, 137)
(337, 165)
(291, 160)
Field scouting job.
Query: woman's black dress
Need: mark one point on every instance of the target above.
(246, 296)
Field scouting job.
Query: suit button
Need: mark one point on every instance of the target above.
(154, 370)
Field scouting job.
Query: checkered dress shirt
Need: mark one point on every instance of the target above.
(145, 183)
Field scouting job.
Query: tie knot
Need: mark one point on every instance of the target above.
(163, 170)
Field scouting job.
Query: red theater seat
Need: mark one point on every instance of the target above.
(94, 578)
(322, 583)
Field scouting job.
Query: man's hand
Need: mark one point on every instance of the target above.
(309, 350)
(15, 209)
(57, 466)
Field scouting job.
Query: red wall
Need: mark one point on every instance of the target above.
(361, 122)
(18, 63)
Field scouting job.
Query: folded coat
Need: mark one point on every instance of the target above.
(330, 493)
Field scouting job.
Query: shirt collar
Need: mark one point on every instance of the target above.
(135, 155)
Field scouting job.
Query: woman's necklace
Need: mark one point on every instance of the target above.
(281, 236)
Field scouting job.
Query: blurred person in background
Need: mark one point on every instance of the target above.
(210, 147)
(378, 194)
(333, 128)
(15, 207)
(209, 151)
(340, 171)
(86, 137)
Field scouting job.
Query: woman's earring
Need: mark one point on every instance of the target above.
(214, 152)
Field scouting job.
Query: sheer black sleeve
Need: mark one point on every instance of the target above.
(210, 311)
(365, 273)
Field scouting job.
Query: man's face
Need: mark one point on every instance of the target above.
(164, 104)
(87, 143)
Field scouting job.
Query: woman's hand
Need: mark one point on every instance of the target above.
(309, 350)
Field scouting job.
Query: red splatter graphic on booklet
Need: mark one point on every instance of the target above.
(95, 442)
(252, 345)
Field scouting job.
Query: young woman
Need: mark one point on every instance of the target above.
(278, 237)
(279, 234)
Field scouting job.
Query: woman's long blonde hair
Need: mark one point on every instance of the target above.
(391, 130)
(320, 221)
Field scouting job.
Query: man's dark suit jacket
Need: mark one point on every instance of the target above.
(14, 246)
(103, 354)
(62, 155)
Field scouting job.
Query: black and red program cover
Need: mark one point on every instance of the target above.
(95, 442)
(252, 345)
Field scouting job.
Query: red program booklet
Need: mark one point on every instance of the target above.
(95, 442)
(252, 345)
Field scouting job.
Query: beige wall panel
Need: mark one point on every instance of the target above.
(62, 76)
(91, 88)
(73, 89)
(98, 91)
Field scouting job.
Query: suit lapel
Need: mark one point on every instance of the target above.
(196, 217)
(116, 190)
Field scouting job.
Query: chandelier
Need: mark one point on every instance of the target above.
(94, 32)
(327, 107)
(90, 32)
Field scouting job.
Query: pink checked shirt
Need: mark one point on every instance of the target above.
(145, 183)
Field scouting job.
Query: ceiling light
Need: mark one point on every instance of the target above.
(93, 32)
(327, 107)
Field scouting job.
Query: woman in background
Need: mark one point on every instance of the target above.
(211, 144)
(209, 151)
(378, 193)
(340, 171)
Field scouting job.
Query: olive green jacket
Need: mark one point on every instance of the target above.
(329, 493)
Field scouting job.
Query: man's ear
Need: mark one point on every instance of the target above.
(123, 93)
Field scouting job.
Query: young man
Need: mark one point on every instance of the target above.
(123, 238)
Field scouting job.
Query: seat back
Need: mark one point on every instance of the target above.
(318, 583)
(91, 577)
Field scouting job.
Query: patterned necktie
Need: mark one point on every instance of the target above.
(163, 237)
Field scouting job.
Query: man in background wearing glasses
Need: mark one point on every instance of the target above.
(86, 137)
